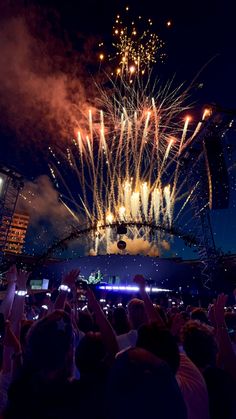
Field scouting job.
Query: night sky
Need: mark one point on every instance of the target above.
(65, 37)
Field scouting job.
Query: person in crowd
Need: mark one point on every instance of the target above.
(201, 347)
(120, 321)
(230, 321)
(163, 343)
(137, 316)
(160, 342)
(142, 386)
(12, 309)
(85, 322)
(199, 314)
(42, 387)
(166, 368)
(94, 356)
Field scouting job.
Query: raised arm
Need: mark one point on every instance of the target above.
(67, 285)
(11, 350)
(6, 304)
(226, 352)
(151, 312)
(19, 302)
(108, 334)
(11, 361)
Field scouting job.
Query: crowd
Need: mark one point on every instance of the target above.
(139, 361)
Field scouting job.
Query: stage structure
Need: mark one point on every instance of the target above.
(208, 190)
(11, 183)
(204, 159)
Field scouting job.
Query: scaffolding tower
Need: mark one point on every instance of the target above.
(197, 172)
(11, 183)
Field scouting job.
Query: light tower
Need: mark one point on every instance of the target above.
(205, 169)
(11, 183)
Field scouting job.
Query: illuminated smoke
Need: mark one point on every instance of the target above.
(41, 99)
(47, 214)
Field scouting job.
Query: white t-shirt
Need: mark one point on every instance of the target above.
(193, 388)
(127, 340)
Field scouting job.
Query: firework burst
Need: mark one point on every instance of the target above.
(128, 162)
(137, 48)
(127, 158)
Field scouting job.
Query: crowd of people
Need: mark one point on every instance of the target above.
(139, 361)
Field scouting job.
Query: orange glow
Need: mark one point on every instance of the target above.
(101, 56)
(206, 113)
(188, 118)
(132, 69)
(172, 140)
(109, 218)
(168, 23)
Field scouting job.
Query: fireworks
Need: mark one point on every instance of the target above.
(137, 48)
(127, 157)
(127, 163)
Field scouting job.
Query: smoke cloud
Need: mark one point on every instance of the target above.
(136, 246)
(49, 218)
(41, 201)
(42, 97)
(140, 246)
(165, 245)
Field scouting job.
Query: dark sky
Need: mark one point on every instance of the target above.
(200, 32)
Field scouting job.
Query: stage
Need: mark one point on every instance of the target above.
(119, 270)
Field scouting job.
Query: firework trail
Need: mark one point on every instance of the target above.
(127, 161)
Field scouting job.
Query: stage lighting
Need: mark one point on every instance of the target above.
(121, 244)
(121, 229)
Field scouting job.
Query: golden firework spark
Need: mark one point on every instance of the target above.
(127, 161)
(137, 50)
(137, 47)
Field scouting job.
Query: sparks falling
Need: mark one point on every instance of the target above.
(127, 162)
(136, 47)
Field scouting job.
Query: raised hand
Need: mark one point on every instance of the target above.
(140, 281)
(10, 339)
(12, 275)
(22, 278)
(92, 302)
(219, 309)
(70, 277)
(211, 314)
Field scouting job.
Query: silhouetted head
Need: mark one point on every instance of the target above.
(85, 322)
(90, 354)
(199, 344)
(136, 313)
(142, 386)
(159, 341)
(120, 321)
(199, 314)
(49, 345)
